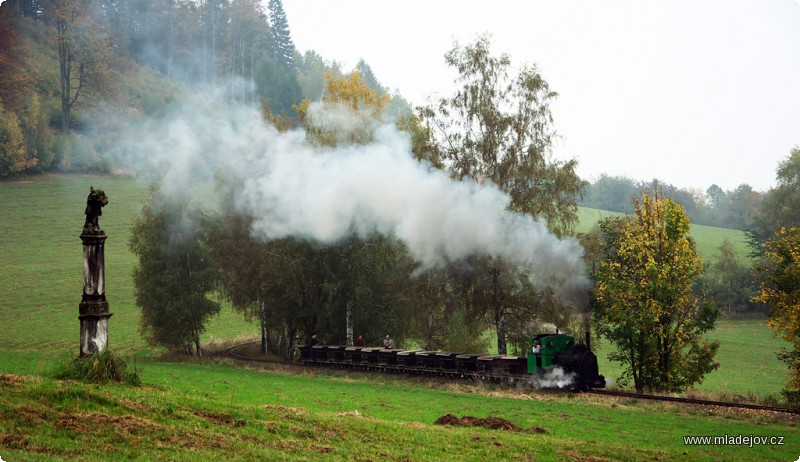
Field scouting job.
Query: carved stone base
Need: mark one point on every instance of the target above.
(93, 305)
(94, 332)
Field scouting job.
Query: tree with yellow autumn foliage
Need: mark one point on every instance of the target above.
(643, 299)
(779, 275)
(348, 110)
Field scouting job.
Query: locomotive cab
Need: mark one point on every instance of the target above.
(550, 345)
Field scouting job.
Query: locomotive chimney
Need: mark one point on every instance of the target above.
(587, 329)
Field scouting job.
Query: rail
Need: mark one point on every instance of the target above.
(703, 402)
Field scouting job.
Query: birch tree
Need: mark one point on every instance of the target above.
(174, 273)
(498, 127)
(82, 56)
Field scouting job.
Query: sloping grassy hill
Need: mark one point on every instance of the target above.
(41, 279)
(707, 238)
(213, 411)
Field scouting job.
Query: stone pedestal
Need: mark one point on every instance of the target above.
(93, 309)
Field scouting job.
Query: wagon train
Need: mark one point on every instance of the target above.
(551, 361)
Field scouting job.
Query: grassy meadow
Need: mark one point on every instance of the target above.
(707, 238)
(748, 365)
(213, 410)
(216, 409)
(42, 263)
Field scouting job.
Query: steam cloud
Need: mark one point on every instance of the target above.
(295, 189)
(556, 377)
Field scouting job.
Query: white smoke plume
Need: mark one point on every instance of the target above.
(293, 188)
(553, 378)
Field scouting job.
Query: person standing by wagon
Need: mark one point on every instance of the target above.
(360, 342)
(388, 343)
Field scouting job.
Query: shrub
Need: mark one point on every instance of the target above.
(100, 368)
(13, 154)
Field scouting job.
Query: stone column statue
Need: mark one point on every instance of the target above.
(93, 309)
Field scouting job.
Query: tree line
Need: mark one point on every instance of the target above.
(371, 286)
(65, 65)
(734, 209)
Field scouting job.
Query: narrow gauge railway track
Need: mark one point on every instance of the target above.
(703, 402)
(232, 353)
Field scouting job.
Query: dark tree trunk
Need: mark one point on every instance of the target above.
(289, 335)
(262, 314)
(499, 312)
(64, 68)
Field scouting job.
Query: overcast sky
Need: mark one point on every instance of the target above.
(690, 92)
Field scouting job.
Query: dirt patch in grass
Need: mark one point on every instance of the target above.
(536, 430)
(494, 423)
(16, 441)
(349, 380)
(278, 407)
(351, 414)
(319, 448)
(11, 380)
(138, 405)
(32, 416)
(220, 418)
(97, 424)
(573, 455)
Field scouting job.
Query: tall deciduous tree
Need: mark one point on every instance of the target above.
(82, 55)
(353, 99)
(498, 128)
(242, 261)
(14, 81)
(781, 207)
(643, 300)
(174, 274)
(352, 263)
(298, 289)
(729, 282)
(780, 289)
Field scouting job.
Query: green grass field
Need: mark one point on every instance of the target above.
(747, 357)
(707, 238)
(212, 409)
(42, 263)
